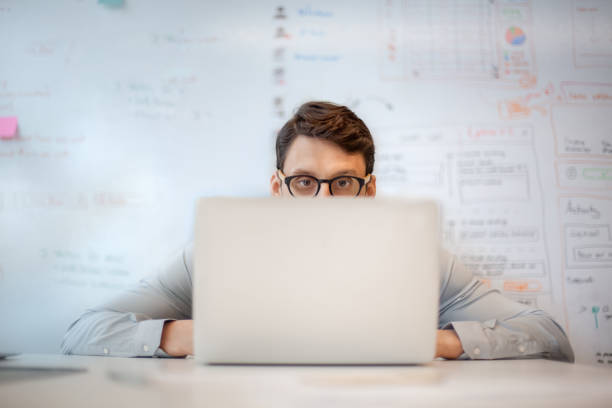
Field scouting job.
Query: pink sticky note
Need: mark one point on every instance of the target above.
(8, 127)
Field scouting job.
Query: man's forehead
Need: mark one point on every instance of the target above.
(310, 155)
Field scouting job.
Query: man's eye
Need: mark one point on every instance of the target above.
(344, 183)
(305, 182)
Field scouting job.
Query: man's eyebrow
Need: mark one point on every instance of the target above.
(336, 174)
(345, 173)
(302, 171)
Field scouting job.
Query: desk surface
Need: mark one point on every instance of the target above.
(121, 382)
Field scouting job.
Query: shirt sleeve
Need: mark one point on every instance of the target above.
(491, 326)
(130, 325)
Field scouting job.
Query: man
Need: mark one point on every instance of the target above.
(323, 150)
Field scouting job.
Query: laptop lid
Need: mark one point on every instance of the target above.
(315, 281)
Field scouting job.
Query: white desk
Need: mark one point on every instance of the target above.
(119, 382)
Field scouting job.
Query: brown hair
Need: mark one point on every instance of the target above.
(328, 121)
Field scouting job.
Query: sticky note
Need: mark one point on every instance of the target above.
(112, 3)
(8, 127)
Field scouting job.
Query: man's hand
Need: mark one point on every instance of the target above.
(448, 344)
(177, 338)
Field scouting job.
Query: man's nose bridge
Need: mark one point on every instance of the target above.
(325, 188)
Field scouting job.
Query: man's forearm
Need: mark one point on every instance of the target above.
(177, 338)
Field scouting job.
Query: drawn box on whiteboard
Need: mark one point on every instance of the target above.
(588, 246)
(499, 188)
(509, 269)
(598, 254)
(407, 173)
(590, 33)
(582, 130)
(524, 269)
(500, 235)
(584, 175)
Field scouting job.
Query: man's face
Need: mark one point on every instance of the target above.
(323, 160)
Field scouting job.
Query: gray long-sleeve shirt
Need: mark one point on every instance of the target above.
(489, 325)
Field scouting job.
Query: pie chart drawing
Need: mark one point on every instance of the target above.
(515, 36)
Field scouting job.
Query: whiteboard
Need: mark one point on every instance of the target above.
(501, 109)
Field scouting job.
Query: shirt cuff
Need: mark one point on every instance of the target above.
(161, 353)
(473, 340)
(148, 338)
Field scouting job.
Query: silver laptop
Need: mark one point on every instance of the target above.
(315, 281)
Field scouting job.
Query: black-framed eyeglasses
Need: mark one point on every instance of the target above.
(303, 185)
